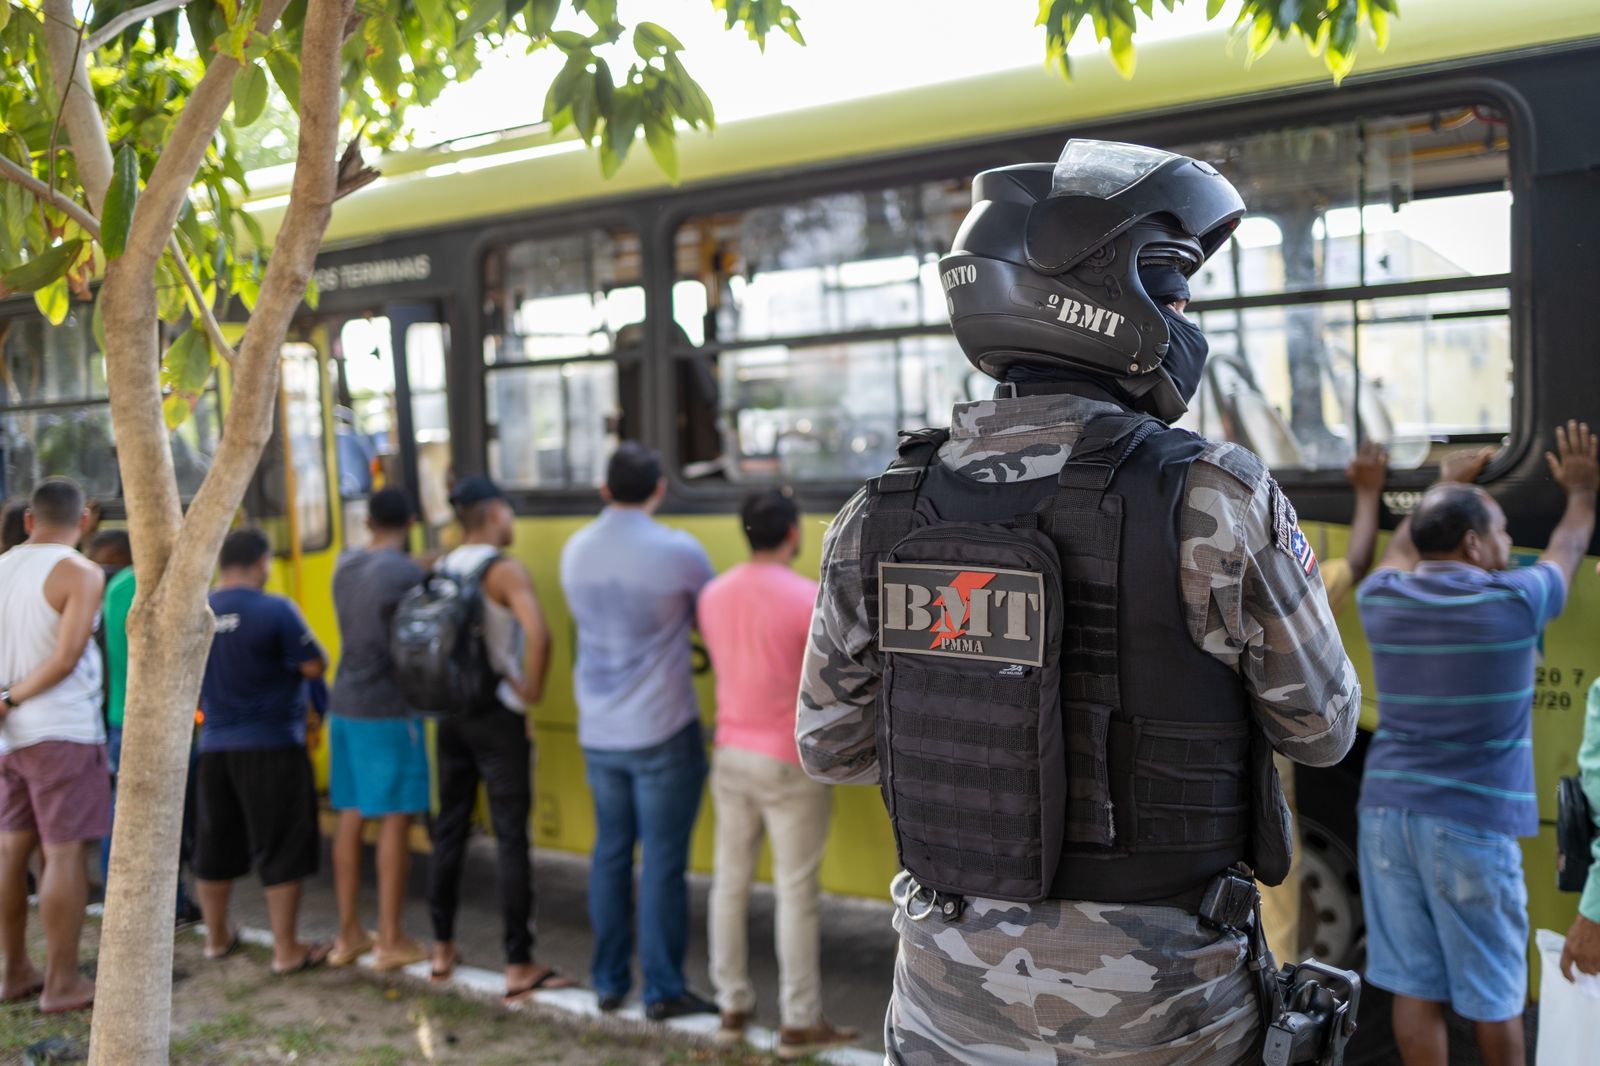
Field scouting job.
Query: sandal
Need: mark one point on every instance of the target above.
(315, 956)
(550, 980)
(31, 992)
(233, 947)
(69, 1008)
(346, 956)
(400, 959)
(439, 976)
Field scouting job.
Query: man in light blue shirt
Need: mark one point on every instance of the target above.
(631, 584)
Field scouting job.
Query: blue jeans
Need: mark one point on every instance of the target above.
(650, 796)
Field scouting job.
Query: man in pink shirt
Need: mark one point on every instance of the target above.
(756, 619)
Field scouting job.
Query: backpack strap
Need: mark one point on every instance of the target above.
(890, 509)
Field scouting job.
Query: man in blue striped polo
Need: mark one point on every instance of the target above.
(1449, 782)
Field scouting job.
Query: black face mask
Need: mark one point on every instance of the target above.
(1187, 349)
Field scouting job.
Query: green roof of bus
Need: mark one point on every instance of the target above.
(525, 172)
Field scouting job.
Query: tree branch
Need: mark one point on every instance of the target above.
(11, 172)
(208, 319)
(248, 426)
(157, 212)
(17, 175)
(109, 32)
(86, 130)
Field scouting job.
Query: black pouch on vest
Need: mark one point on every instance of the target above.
(969, 717)
(1272, 846)
(1575, 833)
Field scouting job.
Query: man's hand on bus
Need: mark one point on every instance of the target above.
(1582, 949)
(1464, 467)
(1369, 469)
(1575, 464)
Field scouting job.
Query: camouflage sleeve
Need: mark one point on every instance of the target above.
(834, 721)
(1256, 602)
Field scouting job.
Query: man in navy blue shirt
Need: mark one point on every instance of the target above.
(256, 800)
(1449, 785)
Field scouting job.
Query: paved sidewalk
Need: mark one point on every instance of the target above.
(858, 944)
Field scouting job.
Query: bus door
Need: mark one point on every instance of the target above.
(392, 422)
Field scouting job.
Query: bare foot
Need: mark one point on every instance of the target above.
(75, 993)
(24, 981)
(445, 959)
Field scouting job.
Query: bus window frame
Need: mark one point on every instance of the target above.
(631, 215)
(1214, 120)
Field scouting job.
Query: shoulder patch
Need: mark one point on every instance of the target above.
(1242, 463)
(1286, 533)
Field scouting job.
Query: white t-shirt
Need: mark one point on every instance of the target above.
(28, 627)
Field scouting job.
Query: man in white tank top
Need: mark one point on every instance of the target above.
(55, 784)
(494, 743)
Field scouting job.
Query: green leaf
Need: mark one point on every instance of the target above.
(479, 15)
(285, 67)
(120, 200)
(174, 411)
(384, 62)
(313, 294)
(651, 41)
(436, 17)
(44, 269)
(604, 88)
(1380, 25)
(187, 365)
(1121, 35)
(97, 321)
(54, 300)
(170, 303)
(564, 87)
(663, 145)
(1214, 8)
(5, 13)
(249, 95)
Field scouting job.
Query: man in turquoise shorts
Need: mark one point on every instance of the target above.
(379, 757)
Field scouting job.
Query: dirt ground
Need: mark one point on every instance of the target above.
(234, 1012)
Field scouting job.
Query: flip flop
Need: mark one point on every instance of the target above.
(546, 980)
(31, 992)
(233, 947)
(316, 955)
(69, 1008)
(445, 974)
(337, 958)
(400, 960)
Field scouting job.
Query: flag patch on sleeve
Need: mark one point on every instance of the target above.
(1300, 548)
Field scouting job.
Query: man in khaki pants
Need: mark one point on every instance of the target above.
(755, 620)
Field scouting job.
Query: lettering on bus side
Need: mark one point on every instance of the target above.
(973, 613)
(375, 272)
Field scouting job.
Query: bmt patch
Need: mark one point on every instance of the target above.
(988, 614)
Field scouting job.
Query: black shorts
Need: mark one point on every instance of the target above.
(256, 809)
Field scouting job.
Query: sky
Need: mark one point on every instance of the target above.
(854, 48)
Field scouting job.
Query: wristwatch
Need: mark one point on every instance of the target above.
(5, 698)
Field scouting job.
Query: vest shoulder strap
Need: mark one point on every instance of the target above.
(891, 505)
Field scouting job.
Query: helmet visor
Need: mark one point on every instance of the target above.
(1103, 168)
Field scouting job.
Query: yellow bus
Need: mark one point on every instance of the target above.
(1417, 269)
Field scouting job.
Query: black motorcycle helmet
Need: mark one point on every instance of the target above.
(1045, 268)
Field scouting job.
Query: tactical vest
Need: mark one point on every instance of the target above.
(1047, 728)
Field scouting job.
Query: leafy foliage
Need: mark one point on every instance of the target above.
(1329, 28)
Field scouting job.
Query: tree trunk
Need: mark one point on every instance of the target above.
(168, 637)
(170, 625)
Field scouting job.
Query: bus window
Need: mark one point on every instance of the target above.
(770, 306)
(426, 346)
(55, 418)
(1405, 222)
(301, 396)
(563, 345)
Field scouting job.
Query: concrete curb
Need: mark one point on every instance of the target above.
(577, 1003)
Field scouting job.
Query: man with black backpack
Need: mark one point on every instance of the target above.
(1066, 639)
(491, 740)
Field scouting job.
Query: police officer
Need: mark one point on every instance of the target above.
(1066, 638)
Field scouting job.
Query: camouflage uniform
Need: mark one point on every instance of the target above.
(1072, 981)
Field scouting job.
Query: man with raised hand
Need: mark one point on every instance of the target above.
(1449, 783)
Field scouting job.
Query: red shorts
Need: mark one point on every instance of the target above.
(59, 788)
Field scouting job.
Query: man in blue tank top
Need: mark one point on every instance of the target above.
(1449, 784)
